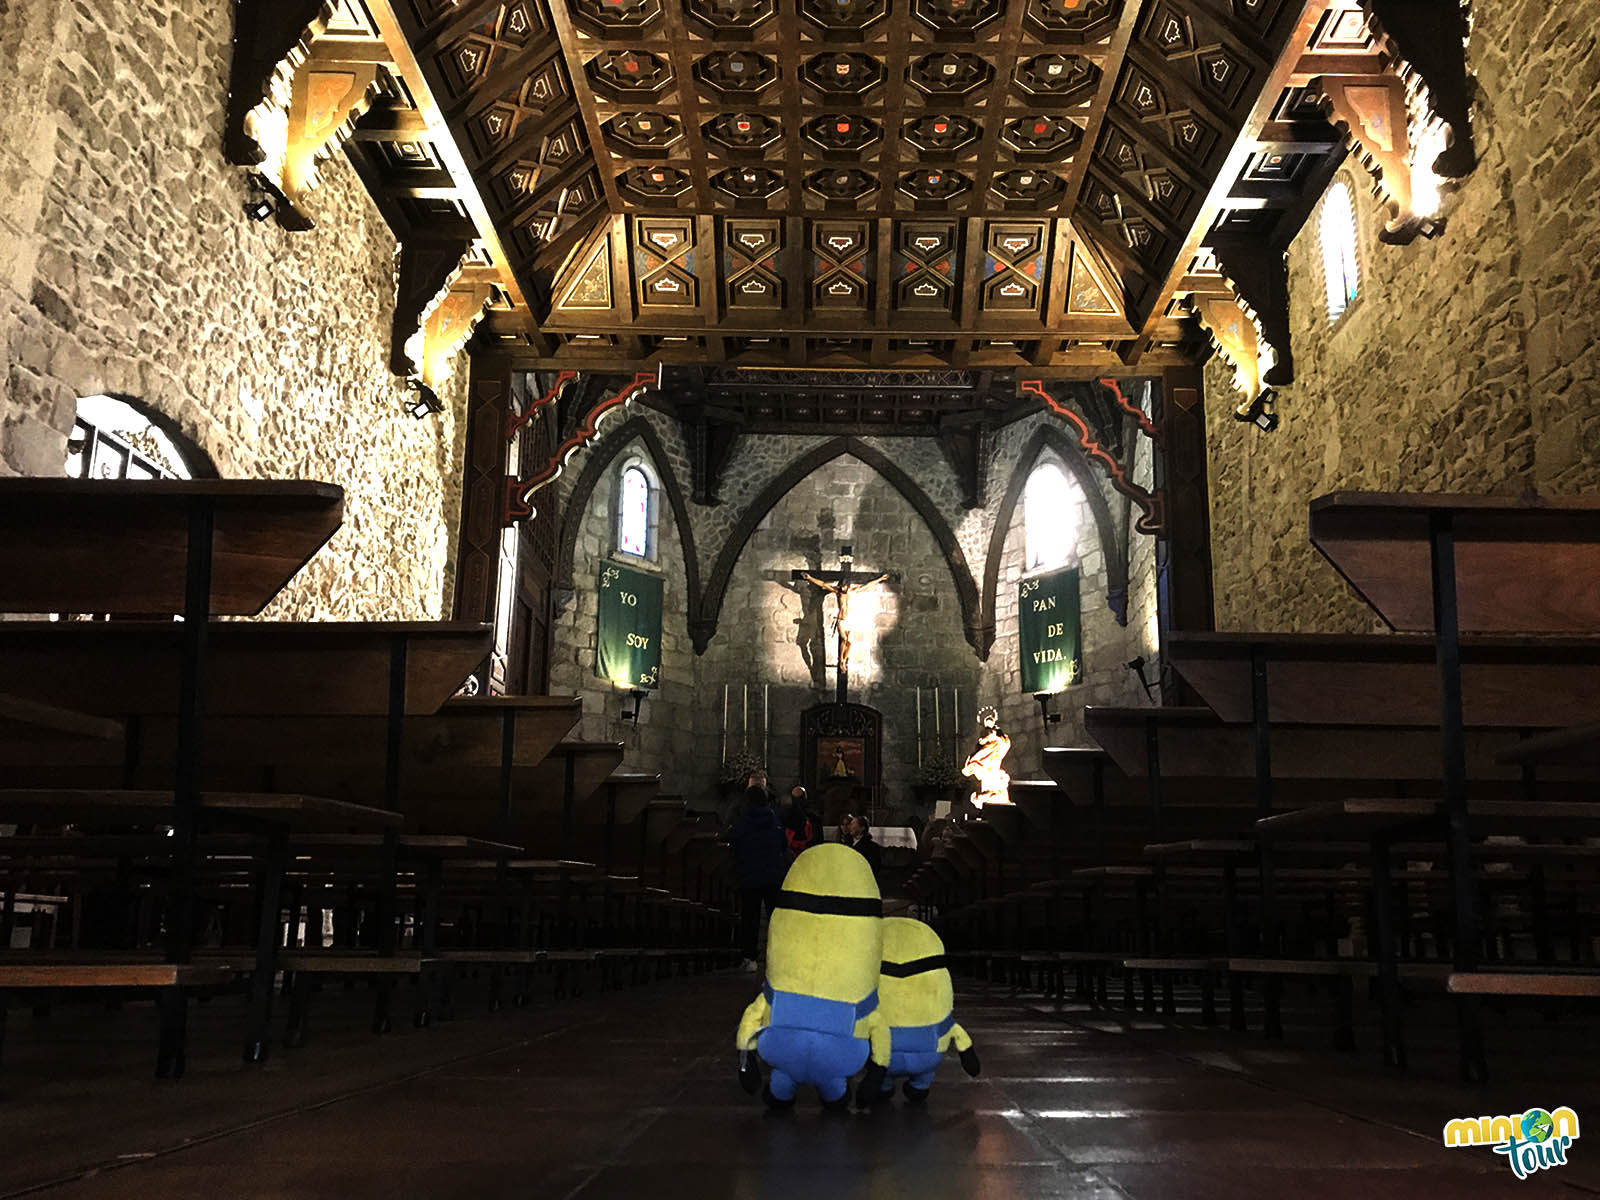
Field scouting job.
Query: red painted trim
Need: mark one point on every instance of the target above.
(1152, 505)
(519, 492)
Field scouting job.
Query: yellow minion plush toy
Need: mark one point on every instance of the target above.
(917, 999)
(816, 1021)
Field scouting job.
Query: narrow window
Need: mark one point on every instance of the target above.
(633, 516)
(1340, 270)
(1049, 518)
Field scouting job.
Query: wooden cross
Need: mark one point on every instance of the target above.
(841, 583)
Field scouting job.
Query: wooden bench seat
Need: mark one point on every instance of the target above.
(1531, 982)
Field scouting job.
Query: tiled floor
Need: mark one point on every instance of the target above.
(633, 1094)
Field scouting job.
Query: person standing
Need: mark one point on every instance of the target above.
(760, 858)
(861, 840)
(799, 827)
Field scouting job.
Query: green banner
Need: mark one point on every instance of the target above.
(628, 650)
(1051, 637)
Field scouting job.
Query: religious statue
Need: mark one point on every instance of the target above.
(841, 584)
(984, 763)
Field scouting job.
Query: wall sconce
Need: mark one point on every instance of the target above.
(1045, 714)
(637, 695)
(427, 400)
(1262, 412)
(1137, 666)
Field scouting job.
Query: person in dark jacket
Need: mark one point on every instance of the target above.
(799, 826)
(861, 840)
(760, 858)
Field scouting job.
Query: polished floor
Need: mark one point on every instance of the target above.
(633, 1094)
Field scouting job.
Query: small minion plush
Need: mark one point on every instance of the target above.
(816, 1021)
(917, 999)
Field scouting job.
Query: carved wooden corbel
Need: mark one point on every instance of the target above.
(1259, 276)
(1429, 37)
(586, 425)
(296, 95)
(438, 302)
(1370, 111)
(710, 445)
(965, 445)
(1234, 335)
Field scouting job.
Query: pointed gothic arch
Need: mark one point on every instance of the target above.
(703, 626)
(1047, 436)
(594, 470)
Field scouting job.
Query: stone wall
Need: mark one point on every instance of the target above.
(128, 267)
(1469, 361)
(666, 727)
(773, 636)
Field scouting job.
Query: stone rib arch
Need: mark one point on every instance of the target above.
(1049, 437)
(600, 461)
(703, 626)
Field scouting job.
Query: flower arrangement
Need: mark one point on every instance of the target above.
(739, 765)
(938, 772)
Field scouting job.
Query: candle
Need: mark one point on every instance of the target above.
(724, 722)
(919, 726)
(766, 720)
(938, 726)
(955, 713)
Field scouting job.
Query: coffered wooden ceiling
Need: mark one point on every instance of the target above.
(1051, 183)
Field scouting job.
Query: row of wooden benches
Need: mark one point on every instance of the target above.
(1237, 838)
(191, 797)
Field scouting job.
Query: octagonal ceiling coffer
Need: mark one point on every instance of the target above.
(629, 74)
(737, 73)
(843, 76)
(942, 133)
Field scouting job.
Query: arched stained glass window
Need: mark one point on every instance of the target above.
(1340, 271)
(1049, 518)
(633, 512)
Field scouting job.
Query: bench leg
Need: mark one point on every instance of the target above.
(1128, 1002)
(172, 1009)
(1238, 1017)
(1272, 1005)
(1147, 983)
(1469, 1032)
(294, 1033)
(1169, 1004)
(1344, 999)
(381, 1004)
(1208, 998)
(5, 1003)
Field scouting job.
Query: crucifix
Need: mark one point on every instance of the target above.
(841, 583)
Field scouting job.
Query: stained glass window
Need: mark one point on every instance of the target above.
(633, 518)
(1340, 271)
(1049, 518)
(113, 440)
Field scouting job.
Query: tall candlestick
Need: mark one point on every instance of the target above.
(766, 721)
(744, 736)
(938, 726)
(919, 726)
(724, 722)
(955, 715)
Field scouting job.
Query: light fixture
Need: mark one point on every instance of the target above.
(427, 400)
(1137, 666)
(1045, 714)
(263, 202)
(1262, 412)
(637, 695)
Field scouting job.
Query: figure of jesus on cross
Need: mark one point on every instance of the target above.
(841, 583)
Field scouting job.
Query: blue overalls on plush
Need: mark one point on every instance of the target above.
(813, 1041)
(914, 1053)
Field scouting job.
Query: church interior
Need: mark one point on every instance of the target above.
(592, 592)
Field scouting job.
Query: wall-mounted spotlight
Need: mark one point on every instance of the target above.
(1262, 412)
(264, 202)
(426, 402)
(1045, 714)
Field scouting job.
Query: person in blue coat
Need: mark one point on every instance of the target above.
(760, 857)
